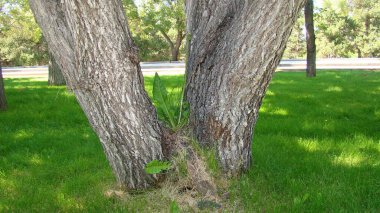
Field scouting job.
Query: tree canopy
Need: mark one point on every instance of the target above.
(344, 28)
(21, 40)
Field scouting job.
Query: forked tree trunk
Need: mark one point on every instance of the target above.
(92, 42)
(3, 100)
(235, 48)
(311, 69)
(56, 77)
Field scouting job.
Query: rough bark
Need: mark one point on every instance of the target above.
(92, 42)
(235, 48)
(311, 70)
(3, 100)
(56, 77)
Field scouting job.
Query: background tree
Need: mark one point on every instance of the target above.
(168, 18)
(354, 32)
(228, 71)
(295, 47)
(366, 14)
(337, 39)
(3, 100)
(311, 69)
(152, 46)
(344, 28)
(21, 41)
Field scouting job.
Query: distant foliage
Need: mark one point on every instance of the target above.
(344, 28)
(150, 22)
(21, 41)
(296, 46)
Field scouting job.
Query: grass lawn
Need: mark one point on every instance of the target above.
(316, 148)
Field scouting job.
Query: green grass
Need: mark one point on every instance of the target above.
(316, 148)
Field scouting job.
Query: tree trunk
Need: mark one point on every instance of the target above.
(93, 47)
(359, 52)
(174, 47)
(177, 46)
(56, 77)
(310, 39)
(367, 24)
(3, 100)
(235, 48)
(367, 31)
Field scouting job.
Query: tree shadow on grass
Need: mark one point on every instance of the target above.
(50, 158)
(316, 146)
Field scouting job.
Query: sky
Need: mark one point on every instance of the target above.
(137, 2)
(318, 3)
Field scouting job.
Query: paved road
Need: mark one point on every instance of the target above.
(177, 68)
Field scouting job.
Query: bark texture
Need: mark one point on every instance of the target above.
(311, 69)
(3, 100)
(92, 45)
(235, 48)
(56, 77)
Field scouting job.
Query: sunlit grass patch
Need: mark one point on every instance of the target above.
(316, 148)
(334, 89)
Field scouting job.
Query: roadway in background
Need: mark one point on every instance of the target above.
(178, 68)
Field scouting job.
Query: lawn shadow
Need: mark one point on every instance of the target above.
(316, 145)
(50, 158)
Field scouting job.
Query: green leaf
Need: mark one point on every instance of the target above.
(160, 96)
(174, 208)
(156, 167)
